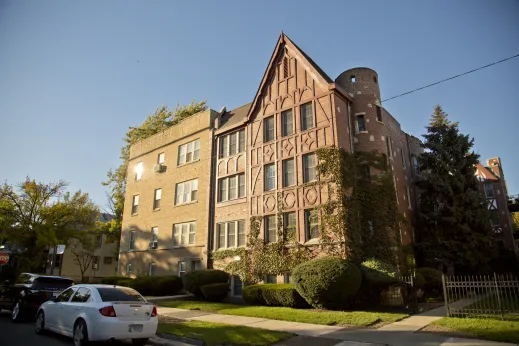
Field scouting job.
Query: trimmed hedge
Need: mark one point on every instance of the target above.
(376, 277)
(283, 295)
(148, 285)
(327, 282)
(419, 280)
(215, 292)
(433, 285)
(115, 280)
(196, 279)
(253, 295)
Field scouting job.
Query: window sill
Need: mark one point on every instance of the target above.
(183, 246)
(183, 204)
(158, 209)
(232, 201)
(188, 163)
(229, 156)
(313, 241)
(361, 132)
(307, 130)
(136, 214)
(380, 122)
(230, 248)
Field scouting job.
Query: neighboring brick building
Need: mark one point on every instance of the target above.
(259, 149)
(494, 190)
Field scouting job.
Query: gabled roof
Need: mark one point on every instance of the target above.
(484, 173)
(233, 118)
(282, 41)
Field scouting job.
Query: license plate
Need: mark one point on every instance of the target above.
(135, 328)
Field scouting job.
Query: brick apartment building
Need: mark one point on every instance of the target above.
(495, 192)
(194, 187)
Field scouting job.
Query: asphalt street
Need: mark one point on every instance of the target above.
(22, 334)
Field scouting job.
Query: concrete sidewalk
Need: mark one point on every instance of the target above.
(400, 333)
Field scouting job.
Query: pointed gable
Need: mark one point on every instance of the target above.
(290, 78)
(483, 173)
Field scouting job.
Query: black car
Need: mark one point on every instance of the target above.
(29, 291)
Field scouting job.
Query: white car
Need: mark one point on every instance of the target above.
(98, 313)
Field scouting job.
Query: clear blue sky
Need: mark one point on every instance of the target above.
(75, 75)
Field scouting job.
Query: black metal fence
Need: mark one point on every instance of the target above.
(482, 296)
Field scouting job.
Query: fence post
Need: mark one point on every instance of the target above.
(499, 298)
(445, 296)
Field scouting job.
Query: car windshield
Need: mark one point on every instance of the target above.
(51, 284)
(119, 294)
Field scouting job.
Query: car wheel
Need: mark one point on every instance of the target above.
(80, 334)
(140, 342)
(17, 312)
(39, 325)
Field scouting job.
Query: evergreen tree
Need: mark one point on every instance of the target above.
(453, 223)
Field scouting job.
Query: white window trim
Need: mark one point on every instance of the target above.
(157, 197)
(227, 192)
(180, 188)
(161, 158)
(314, 123)
(294, 175)
(135, 203)
(151, 268)
(291, 111)
(265, 177)
(189, 226)
(128, 269)
(266, 228)
(227, 139)
(265, 129)
(315, 167)
(194, 144)
(226, 234)
(139, 168)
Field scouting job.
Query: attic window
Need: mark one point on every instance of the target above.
(285, 67)
(352, 78)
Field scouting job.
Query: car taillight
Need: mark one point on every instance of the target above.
(154, 312)
(108, 311)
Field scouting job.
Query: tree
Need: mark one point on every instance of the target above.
(453, 223)
(156, 122)
(83, 253)
(38, 216)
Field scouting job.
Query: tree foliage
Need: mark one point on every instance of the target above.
(155, 122)
(37, 215)
(454, 228)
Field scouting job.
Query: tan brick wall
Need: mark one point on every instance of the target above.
(166, 256)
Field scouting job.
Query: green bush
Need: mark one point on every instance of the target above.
(253, 295)
(327, 282)
(116, 280)
(215, 292)
(145, 285)
(168, 285)
(198, 278)
(419, 280)
(282, 295)
(376, 277)
(433, 278)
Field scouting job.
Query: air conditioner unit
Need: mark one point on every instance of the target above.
(153, 244)
(158, 168)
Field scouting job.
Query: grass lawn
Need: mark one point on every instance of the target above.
(223, 334)
(350, 318)
(488, 329)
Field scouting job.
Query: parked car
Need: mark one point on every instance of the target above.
(99, 313)
(29, 291)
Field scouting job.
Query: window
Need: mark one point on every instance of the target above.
(268, 125)
(230, 234)
(154, 237)
(129, 269)
(188, 152)
(232, 144)
(82, 295)
(119, 294)
(415, 165)
(131, 243)
(184, 233)
(389, 147)
(135, 204)
(287, 123)
(309, 170)
(99, 240)
(182, 269)
(352, 78)
(285, 67)
(156, 201)
(311, 224)
(289, 225)
(287, 278)
(271, 279)
(138, 171)
(161, 158)
(196, 265)
(107, 260)
(95, 263)
(361, 125)
(288, 173)
(379, 113)
(151, 268)
(65, 296)
(403, 157)
(187, 192)
(409, 198)
(489, 190)
(270, 177)
(307, 116)
(494, 218)
(270, 229)
(231, 187)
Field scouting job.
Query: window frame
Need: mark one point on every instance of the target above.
(135, 205)
(266, 177)
(131, 241)
(493, 195)
(389, 147)
(156, 201)
(491, 219)
(151, 268)
(155, 236)
(139, 168)
(304, 118)
(128, 269)
(308, 224)
(285, 173)
(270, 226)
(222, 233)
(226, 181)
(358, 122)
(379, 113)
(161, 158)
(183, 192)
(184, 239)
(192, 148)
(287, 228)
(224, 143)
(269, 134)
(284, 124)
(268, 281)
(307, 169)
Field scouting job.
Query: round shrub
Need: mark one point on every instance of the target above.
(419, 280)
(145, 285)
(168, 285)
(253, 295)
(377, 276)
(282, 295)
(327, 282)
(198, 278)
(433, 278)
(215, 292)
